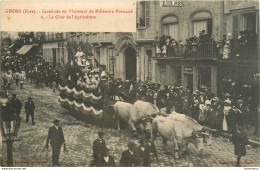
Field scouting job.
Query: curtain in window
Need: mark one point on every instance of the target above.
(198, 26)
(171, 30)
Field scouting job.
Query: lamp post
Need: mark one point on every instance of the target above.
(10, 125)
(113, 59)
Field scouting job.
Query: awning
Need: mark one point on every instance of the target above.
(24, 49)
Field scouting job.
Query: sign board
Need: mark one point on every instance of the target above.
(171, 3)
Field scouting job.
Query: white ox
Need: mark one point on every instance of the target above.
(134, 114)
(148, 109)
(179, 129)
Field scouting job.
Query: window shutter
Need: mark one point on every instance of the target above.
(147, 14)
(235, 26)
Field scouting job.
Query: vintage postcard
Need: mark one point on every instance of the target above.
(163, 83)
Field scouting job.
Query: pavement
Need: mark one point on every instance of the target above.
(80, 134)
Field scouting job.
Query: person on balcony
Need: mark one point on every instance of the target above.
(174, 47)
(168, 47)
(203, 38)
(241, 41)
(227, 47)
(157, 45)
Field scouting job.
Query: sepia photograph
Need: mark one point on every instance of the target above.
(180, 91)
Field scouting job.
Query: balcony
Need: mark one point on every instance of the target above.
(206, 51)
(192, 51)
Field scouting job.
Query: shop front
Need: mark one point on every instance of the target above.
(189, 74)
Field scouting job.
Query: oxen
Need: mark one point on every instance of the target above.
(134, 115)
(128, 113)
(148, 109)
(179, 129)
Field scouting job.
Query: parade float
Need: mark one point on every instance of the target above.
(79, 87)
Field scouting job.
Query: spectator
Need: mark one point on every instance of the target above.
(240, 141)
(29, 110)
(195, 109)
(227, 47)
(107, 160)
(21, 78)
(142, 154)
(9, 80)
(16, 105)
(127, 158)
(56, 139)
(99, 148)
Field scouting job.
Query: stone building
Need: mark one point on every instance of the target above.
(135, 56)
(54, 49)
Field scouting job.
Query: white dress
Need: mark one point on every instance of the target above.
(224, 123)
(226, 50)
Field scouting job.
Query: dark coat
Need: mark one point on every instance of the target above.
(127, 159)
(143, 157)
(55, 136)
(29, 106)
(110, 163)
(240, 140)
(195, 111)
(16, 105)
(99, 148)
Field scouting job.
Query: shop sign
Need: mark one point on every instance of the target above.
(171, 3)
(188, 68)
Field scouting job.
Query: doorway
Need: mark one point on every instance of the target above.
(189, 81)
(130, 64)
(54, 58)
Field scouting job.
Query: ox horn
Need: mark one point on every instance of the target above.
(147, 119)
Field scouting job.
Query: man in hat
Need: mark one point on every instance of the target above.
(99, 148)
(240, 141)
(21, 78)
(143, 153)
(15, 104)
(29, 110)
(56, 139)
(240, 112)
(127, 158)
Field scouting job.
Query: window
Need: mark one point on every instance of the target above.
(149, 71)
(170, 26)
(202, 21)
(162, 74)
(248, 21)
(143, 14)
(59, 35)
(244, 22)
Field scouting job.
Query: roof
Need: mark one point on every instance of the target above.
(24, 49)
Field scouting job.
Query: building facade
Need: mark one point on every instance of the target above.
(54, 47)
(135, 56)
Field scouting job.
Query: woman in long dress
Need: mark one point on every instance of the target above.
(227, 47)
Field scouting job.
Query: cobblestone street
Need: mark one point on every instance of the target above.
(79, 136)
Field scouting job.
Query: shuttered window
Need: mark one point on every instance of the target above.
(147, 14)
(162, 74)
(144, 14)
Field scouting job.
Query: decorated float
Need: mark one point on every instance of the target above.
(80, 86)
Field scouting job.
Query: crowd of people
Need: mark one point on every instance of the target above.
(241, 46)
(221, 113)
(134, 156)
(204, 45)
(17, 69)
